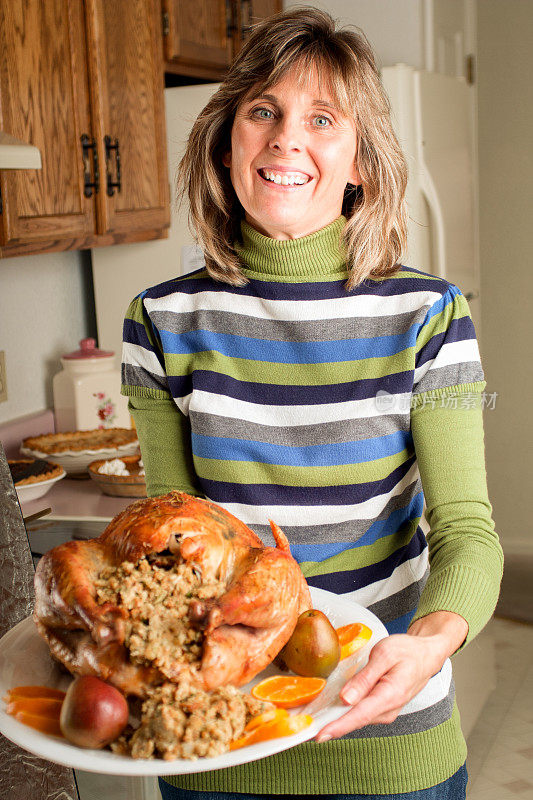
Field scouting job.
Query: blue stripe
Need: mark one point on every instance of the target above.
(400, 624)
(281, 352)
(395, 520)
(350, 580)
(278, 395)
(319, 552)
(378, 530)
(271, 494)
(314, 455)
(439, 305)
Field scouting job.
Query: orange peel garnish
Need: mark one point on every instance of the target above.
(352, 637)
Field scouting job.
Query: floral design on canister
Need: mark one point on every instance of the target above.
(106, 410)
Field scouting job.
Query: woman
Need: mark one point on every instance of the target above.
(305, 376)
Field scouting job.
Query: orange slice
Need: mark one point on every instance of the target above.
(35, 691)
(267, 716)
(43, 724)
(284, 726)
(289, 691)
(352, 637)
(36, 706)
(48, 707)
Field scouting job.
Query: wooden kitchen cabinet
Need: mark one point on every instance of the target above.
(197, 37)
(202, 36)
(83, 81)
(253, 11)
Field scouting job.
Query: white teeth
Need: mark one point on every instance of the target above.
(284, 180)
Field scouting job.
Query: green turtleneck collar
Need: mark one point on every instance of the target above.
(318, 256)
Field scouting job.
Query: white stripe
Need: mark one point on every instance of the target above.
(289, 416)
(448, 355)
(286, 516)
(294, 310)
(435, 690)
(137, 356)
(455, 352)
(402, 577)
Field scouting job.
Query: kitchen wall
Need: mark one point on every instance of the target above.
(505, 67)
(46, 300)
(393, 27)
(46, 308)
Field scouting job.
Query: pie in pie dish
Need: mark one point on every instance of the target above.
(25, 471)
(75, 441)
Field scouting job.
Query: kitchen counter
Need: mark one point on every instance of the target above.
(77, 497)
(68, 497)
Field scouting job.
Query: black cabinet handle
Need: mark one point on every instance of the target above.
(246, 28)
(111, 146)
(87, 145)
(230, 23)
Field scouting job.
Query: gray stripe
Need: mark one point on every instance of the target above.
(452, 374)
(346, 430)
(139, 376)
(287, 330)
(401, 602)
(340, 532)
(417, 722)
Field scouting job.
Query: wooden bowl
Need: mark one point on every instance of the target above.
(132, 485)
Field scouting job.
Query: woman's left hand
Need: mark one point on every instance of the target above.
(398, 668)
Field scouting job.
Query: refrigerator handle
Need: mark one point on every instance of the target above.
(427, 187)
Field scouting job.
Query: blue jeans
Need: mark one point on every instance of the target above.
(452, 789)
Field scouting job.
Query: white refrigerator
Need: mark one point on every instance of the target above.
(432, 117)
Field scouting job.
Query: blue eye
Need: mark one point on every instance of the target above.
(263, 113)
(322, 122)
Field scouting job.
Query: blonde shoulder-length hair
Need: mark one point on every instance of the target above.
(376, 230)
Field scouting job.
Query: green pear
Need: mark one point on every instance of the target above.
(313, 649)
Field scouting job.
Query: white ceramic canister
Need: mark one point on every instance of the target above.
(87, 391)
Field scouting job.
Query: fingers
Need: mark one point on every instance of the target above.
(363, 682)
(377, 693)
(379, 706)
(398, 668)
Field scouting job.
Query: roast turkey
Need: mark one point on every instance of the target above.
(261, 593)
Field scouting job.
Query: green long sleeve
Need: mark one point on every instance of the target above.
(465, 556)
(165, 441)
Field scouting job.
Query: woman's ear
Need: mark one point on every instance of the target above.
(355, 177)
(226, 159)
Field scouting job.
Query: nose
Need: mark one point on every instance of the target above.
(287, 136)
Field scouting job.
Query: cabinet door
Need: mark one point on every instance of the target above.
(196, 37)
(253, 11)
(45, 102)
(126, 71)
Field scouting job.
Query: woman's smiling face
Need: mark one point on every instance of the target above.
(292, 154)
